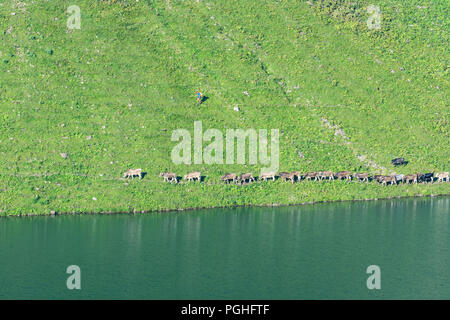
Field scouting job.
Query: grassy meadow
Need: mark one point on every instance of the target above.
(109, 96)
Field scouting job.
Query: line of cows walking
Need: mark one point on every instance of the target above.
(297, 176)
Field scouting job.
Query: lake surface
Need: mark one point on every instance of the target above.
(308, 252)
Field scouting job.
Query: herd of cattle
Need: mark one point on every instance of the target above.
(297, 176)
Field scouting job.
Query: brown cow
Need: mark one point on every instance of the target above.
(310, 175)
(325, 175)
(389, 179)
(343, 175)
(246, 176)
(378, 178)
(297, 174)
(229, 176)
(133, 172)
(361, 176)
(410, 178)
(444, 176)
(267, 175)
(169, 177)
(287, 176)
(193, 175)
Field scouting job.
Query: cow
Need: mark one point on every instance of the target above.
(133, 172)
(378, 178)
(343, 175)
(267, 175)
(311, 175)
(229, 176)
(325, 175)
(444, 176)
(297, 174)
(389, 179)
(410, 178)
(426, 177)
(361, 176)
(169, 177)
(399, 161)
(193, 175)
(246, 176)
(287, 176)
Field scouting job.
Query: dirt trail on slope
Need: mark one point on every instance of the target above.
(363, 158)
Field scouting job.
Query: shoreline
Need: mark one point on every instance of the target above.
(134, 212)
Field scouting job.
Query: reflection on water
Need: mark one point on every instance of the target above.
(308, 252)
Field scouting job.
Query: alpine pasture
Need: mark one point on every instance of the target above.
(80, 107)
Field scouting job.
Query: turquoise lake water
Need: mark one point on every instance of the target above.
(317, 251)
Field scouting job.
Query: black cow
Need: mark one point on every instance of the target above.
(426, 177)
(399, 161)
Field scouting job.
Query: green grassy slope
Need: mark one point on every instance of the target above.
(110, 95)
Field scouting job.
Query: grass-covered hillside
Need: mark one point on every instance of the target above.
(109, 95)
